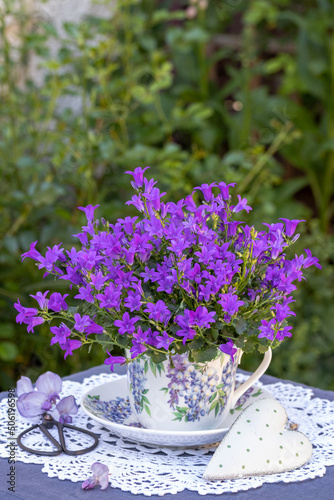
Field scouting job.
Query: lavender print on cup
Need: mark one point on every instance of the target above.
(179, 395)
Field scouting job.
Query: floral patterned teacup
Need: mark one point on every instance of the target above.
(184, 396)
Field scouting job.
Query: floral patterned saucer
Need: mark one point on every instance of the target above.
(109, 405)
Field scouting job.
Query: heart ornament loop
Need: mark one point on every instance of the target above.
(258, 444)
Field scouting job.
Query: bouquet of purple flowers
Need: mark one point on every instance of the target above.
(180, 277)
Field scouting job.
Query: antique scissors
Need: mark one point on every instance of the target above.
(47, 423)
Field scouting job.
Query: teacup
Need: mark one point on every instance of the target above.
(178, 395)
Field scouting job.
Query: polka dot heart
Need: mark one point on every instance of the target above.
(258, 444)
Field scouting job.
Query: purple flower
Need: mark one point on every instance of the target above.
(32, 253)
(52, 255)
(69, 346)
(138, 177)
(282, 311)
(112, 360)
(50, 384)
(98, 280)
(61, 332)
(133, 301)
(100, 477)
(89, 211)
(92, 327)
(310, 260)
(23, 386)
(242, 205)
(126, 324)
(290, 225)
(163, 341)
(207, 190)
(224, 189)
(41, 299)
(27, 315)
(158, 311)
(81, 323)
(85, 293)
(67, 407)
(57, 302)
(267, 329)
(110, 297)
(128, 223)
(149, 185)
(229, 348)
(33, 404)
(154, 198)
(136, 201)
(230, 303)
(137, 349)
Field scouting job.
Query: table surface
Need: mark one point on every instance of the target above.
(32, 484)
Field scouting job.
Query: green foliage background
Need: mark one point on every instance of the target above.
(238, 91)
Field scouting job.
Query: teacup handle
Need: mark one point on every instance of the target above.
(253, 378)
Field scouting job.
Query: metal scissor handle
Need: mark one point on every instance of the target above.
(47, 423)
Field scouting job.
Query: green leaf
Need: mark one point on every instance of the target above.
(147, 410)
(182, 410)
(203, 356)
(240, 325)
(214, 395)
(214, 332)
(144, 398)
(196, 344)
(213, 405)
(262, 349)
(153, 367)
(158, 357)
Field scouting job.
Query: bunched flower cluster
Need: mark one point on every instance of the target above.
(179, 277)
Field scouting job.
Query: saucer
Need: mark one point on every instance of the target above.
(109, 405)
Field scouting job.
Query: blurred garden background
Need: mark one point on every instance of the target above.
(201, 91)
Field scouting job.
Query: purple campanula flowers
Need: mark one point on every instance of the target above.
(158, 311)
(290, 226)
(230, 303)
(57, 302)
(138, 177)
(112, 360)
(228, 348)
(126, 324)
(89, 211)
(178, 276)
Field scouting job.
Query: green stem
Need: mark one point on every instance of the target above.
(273, 148)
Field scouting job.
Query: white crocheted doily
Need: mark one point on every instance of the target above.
(150, 470)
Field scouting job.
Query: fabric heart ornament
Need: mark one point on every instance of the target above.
(258, 444)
